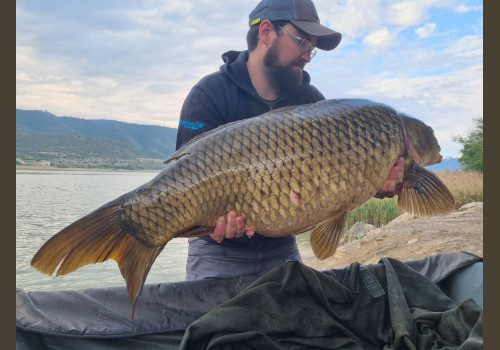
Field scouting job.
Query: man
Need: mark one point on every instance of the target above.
(282, 39)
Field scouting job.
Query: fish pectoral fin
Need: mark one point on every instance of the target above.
(95, 238)
(423, 193)
(197, 232)
(326, 237)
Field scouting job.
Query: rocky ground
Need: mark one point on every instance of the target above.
(409, 237)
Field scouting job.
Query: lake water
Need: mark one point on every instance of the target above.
(48, 201)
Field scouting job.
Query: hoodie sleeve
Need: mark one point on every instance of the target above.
(199, 113)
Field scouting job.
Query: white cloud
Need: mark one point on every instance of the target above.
(378, 23)
(463, 8)
(468, 46)
(379, 39)
(354, 18)
(406, 13)
(426, 30)
(55, 86)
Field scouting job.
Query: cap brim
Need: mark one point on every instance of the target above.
(328, 39)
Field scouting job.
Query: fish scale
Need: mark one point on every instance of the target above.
(285, 171)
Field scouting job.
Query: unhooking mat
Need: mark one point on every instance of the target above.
(388, 305)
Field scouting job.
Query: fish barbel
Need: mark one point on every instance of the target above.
(286, 171)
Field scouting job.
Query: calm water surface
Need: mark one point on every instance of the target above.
(48, 201)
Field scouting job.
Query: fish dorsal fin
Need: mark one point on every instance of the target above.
(182, 151)
(175, 156)
(326, 237)
(423, 193)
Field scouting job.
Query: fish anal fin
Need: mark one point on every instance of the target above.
(135, 260)
(326, 237)
(424, 194)
(95, 238)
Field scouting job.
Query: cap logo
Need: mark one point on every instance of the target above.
(255, 21)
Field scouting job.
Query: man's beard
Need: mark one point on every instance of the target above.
(285, 78)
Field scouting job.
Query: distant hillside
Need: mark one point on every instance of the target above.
(69, 141)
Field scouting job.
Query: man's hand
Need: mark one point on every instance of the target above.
(232, 227)
(392, 186)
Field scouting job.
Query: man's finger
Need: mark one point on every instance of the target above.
(220, 230)
(240, 226)
(231, 224)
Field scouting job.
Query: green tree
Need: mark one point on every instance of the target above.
(472, 151)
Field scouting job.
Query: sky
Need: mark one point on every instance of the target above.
(135, 61)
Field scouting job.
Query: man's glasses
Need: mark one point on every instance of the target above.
(304, 44)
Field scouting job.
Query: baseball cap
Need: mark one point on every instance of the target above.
(302, 14)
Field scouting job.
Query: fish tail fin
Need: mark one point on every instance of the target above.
(95, 238)
(326, 237)
(423, 193)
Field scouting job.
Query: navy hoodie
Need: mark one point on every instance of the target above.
(226, 96)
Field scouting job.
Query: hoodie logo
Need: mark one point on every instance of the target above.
(191, 125)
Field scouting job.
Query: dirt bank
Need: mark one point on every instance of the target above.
(409, 237)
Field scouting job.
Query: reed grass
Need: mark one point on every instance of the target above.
(466, 187)
(377, 212)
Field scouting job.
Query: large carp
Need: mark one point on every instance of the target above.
(285, 172)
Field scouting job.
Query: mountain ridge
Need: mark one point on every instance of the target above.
(70, 141)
